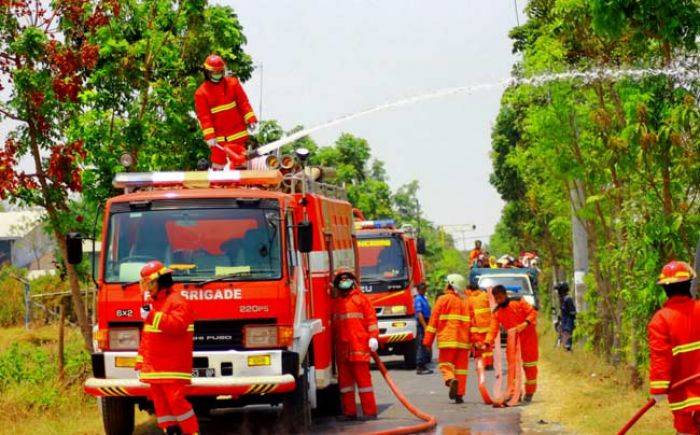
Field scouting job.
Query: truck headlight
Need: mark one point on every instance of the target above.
(398, 310)
(124, 338)
(267, 336)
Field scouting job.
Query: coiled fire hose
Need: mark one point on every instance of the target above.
(514, 385)
(429, 420)
(650, 404)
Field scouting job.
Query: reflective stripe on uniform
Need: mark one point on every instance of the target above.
(223, 107)
(687, 403)
(683, 348)
(207, 131)
(659, 384)
(482, 310)
(372, 328)
(461, 372)
(447, 364)
(430, 329)
(185, 415)
(248, 116)
(139, 358)
(454, 317)
(530, 364)
(156, 319)
(151, 328)
(533, 382)
(479, 330)
(365, 390)
(486, 354)
(453, 345)
(345, 316)
(345, 390)
(165, 419)
(233, 137)
(165, 375)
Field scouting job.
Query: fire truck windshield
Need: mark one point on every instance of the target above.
(382, 259)
(198, 244)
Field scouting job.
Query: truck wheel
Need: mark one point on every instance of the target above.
(328, 401)
(410, 356)
(296, 408)
(117, 415)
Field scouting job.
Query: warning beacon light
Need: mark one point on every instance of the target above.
(375, 225)
(196, 179)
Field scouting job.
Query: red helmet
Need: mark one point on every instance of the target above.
(152, 270)
(676, 271)
(214, 63)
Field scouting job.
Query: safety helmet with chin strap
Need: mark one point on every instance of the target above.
(344, 279)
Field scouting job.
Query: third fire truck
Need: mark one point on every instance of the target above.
(390, 270)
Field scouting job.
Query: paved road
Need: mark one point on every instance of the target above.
(427, 392)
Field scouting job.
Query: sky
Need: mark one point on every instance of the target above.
(323, 59)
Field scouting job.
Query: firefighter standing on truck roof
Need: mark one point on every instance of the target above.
(224, 114)
(356, 334)
(165, 353)
(519, 315)
(479, 300)
(451, 321)
(674, 348)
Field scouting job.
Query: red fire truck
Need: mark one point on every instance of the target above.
(390, 270)
(255, 264)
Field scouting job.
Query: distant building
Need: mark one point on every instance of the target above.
(23, 241)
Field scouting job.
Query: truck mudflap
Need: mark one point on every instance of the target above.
(233, 387)
(396, 331)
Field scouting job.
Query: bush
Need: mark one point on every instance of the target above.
(11, 296)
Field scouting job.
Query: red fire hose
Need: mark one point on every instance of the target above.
(430, 421)
(650, 404)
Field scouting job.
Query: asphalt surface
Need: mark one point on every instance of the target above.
(427, 392)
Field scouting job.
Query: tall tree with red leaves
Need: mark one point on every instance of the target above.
(46, 56)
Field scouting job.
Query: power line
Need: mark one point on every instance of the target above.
(515, 7)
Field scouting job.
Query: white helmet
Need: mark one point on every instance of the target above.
(456, 281)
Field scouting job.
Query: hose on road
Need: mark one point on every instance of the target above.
(650, 404)
(429, 420)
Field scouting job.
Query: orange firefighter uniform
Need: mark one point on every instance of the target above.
(479, 301)
(450, 321)
(674, 346)
(165, 354)
(224, 113)
(354, 324)
(516, 313)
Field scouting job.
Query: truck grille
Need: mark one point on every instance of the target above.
(223, 334)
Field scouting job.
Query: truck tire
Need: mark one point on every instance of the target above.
(296, 408)
(117, 415)
(410, 354)
(328, 401)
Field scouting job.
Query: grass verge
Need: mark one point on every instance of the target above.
(33, 400)
(586, 395)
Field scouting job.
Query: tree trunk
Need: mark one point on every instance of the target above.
(61, 340)
(78, 303)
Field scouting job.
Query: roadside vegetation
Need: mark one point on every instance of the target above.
(623, 153)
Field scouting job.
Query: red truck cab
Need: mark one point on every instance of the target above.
(390, 270)
(255, 264)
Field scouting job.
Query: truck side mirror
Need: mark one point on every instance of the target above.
(420, 246)
(74, 248)
(305, 237)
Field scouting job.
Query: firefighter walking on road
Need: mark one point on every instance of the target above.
(450, 321)
(519, 315)
(674, 347)
(479, 301)
(224, 114)
(165, 354)
(356, 335)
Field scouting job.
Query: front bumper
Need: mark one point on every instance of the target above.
(234, 374)
(223, 386)
(399, 330)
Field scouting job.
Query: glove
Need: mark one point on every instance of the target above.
(211, 142)
(659, 398)
(145, 311)
(373, 344)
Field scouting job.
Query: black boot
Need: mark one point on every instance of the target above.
(452, 383)
(459, 400)
(173, 430)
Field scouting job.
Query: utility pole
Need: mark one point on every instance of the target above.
(460, 231)
(579, 246)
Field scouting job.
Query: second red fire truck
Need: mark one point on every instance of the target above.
(390, 270)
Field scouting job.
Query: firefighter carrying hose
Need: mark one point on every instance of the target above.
(165, 354)
(517, 313)
(450, 321)
(356, 334)
(674, 347)
(224, 114)
(479, 301)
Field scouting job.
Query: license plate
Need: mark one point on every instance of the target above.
(203, 373)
